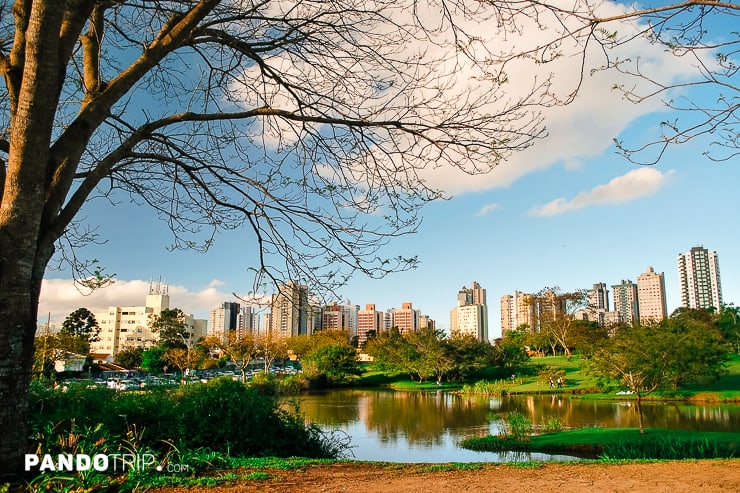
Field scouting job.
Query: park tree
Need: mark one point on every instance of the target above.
(510, 352)
(728, 321)
(469, 353)
(240, 348)
(130, 358)
(664, 355)
(153, 360)
(78, 330)
(337, 362)
(310, 123)
(555, 311)
(270, 347)
(170, 325)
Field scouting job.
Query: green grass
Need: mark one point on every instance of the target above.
(620, 443)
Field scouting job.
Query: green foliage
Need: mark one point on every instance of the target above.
(552, 424)
(170, 324)
(517, 426)
(620, 443)
(81, 324)
(509, 352)
(483, 387)
(337, 361)
(153, 360)
(223, 416)
(130, 358)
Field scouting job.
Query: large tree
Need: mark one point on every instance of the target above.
(78, 330)
(674, 352)
(308, 122)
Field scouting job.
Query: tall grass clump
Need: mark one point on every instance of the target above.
(666, 448)
(518, 426)
(484, 387)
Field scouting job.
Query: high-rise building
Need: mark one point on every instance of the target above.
(518, 309)
(651, 297)
(698, 276)
(470, 316)
(598, 305)
(405, 319)
(230, 319)
(291, 313)
(370, 324)
(625, 302)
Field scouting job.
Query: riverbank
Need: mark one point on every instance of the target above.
(717, 476)
(577, 382)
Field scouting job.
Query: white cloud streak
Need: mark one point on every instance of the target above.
(636, 184)
(487, 209)
(60, 297)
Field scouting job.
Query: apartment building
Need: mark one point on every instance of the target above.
(651, 297)
(698, 276)
(517, 310)
(370, 322)
(470, 316)
(626, 302)
(125, 327)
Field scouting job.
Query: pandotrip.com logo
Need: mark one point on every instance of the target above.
(109, 463)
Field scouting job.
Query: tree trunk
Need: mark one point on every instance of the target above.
(639, 412)
(18, 307)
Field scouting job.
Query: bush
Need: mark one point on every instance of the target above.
(223, 416)
(518, 426)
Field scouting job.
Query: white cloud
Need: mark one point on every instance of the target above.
(635, 184)
(487, 209)
(60, 297)
(577, 132)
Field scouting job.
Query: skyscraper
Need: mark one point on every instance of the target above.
(290, 311)
(651, 297)
(625, 301)
(470, 316)
(698, 276)
(517, 310)
(230, 319)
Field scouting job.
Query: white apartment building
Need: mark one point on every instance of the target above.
(470, 316)
(516, 310)
(231, 318)
(470, 320)
(124, 327)
(698, 276)
(651, 298)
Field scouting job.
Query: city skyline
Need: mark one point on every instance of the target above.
(493, 309)
(568, 211)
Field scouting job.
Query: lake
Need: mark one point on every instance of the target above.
(395, 426)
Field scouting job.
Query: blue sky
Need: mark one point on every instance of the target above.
(568, 212)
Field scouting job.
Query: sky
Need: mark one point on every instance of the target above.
(567, 212)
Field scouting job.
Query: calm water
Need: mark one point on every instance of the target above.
(385, 425)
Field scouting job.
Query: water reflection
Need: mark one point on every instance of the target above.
(426, 426)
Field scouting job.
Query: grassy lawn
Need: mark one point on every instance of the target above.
(620, 443)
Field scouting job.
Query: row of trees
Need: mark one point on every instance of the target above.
(430, 354)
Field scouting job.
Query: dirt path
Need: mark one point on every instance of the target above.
(673, 477)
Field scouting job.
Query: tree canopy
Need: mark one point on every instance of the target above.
(665, 355)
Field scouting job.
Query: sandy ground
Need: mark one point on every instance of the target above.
(673, 477)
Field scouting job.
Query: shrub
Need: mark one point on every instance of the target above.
(518, 426)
